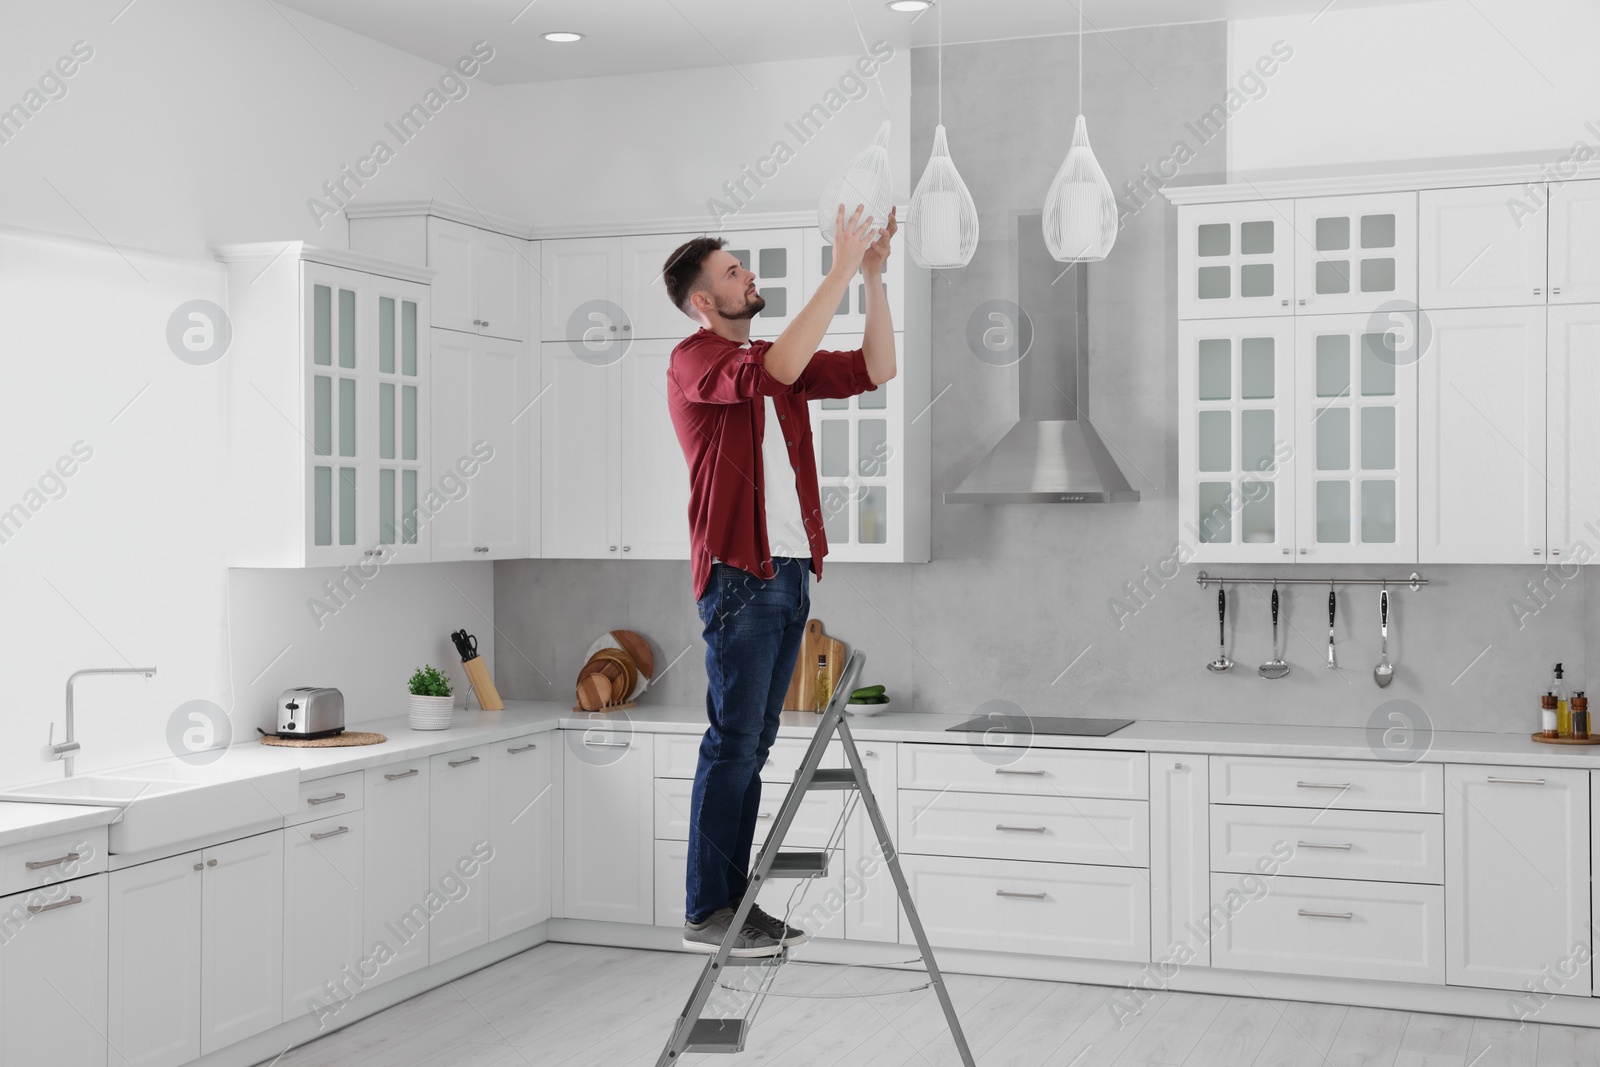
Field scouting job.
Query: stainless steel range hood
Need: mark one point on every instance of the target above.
(1052, 455)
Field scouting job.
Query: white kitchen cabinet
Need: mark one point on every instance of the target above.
(53, 975)
(1481, 438)
(482, 281)
(1180, 890)
(1355, 253)
(1356, 438)
(484, 420)
(1236, 424)
(1236, 259)
(323, 881)
(1573, 433)
(154, 980)
(653, 474)
(850, 317)
(521, 812)
(1516, 876)
(1474, 251)
(581, 430)
(1574, 256)
(458, 828)
(644, 290)
(328, 407)
(397, 873)
(872, 905)
(608, 839)
(575, 274)
(241, 919)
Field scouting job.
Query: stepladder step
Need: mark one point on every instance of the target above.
(716, 1035)
(799, 865)
(832, 778)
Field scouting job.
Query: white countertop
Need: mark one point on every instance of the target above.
(24, 822)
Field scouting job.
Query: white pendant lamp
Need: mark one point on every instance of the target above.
(864, 183)
(1080, 211)
(942, 226)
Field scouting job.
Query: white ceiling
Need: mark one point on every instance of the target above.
(639, 36)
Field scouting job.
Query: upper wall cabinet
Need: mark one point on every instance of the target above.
(1573, 434)
(1574, 273)
(1236, 259)
(578, 277)
(1355, 253)
(482, 281)
(644, 290)
(328, 407)
(1475, 250)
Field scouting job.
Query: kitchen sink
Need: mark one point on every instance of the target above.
(168, 804)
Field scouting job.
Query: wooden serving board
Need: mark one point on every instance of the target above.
(1592, 739)
(803, 684)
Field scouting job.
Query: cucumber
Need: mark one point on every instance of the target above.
(860, 695)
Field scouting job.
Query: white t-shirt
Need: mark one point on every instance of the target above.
(786, 532)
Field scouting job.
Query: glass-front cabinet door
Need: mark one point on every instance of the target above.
(335, 531)
(1356, 438)
(1236, 380)
(1236, 259)
(776, 257)
(400, 419)
(861, 467)
(1355, 253)
(851, 314)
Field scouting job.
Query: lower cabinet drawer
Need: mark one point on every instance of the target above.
(996, 826)
(1366, 785)
(1026, 768)
(321, 798)
(816, 820)
(1384, 846)
(1051, 909)
(52, 859)
(815, 905)
(1386, 931)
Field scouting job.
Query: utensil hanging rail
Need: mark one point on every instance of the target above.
(1416, 581)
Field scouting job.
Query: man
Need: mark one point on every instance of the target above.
(755, 527)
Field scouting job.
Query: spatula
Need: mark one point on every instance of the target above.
(1274, 667)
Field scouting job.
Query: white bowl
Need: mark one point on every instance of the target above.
(867, 709)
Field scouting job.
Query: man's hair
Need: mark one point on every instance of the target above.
(684, 266)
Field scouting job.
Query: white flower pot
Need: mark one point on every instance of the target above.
(430, 713)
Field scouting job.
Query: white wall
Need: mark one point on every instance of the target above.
(1415, 86)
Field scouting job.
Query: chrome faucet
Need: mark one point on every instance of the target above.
(69, 744)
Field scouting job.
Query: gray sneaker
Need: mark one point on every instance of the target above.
(779, 931)
(708, 936)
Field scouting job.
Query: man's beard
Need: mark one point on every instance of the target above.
(752, 307)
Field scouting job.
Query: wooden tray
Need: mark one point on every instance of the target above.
(803, 683)
(609, 707)
(348, 739)
(1592, 739)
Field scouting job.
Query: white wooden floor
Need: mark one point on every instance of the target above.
(582, 1006)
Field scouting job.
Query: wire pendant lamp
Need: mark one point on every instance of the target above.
(942, 227)
(1080, 210)
(864, 183)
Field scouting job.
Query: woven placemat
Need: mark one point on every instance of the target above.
(345, 740)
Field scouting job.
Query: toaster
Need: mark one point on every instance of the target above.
(310, 711)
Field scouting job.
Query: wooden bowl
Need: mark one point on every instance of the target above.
(613, 672)
(626, 662)
(594, 692)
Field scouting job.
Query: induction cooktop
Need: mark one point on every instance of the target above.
(1040, 724)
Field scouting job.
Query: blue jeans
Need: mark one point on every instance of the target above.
(753, 631)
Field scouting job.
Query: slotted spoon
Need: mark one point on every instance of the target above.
(1274, 667)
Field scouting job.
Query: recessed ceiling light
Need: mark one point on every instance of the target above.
(909, 6)
(563, 37)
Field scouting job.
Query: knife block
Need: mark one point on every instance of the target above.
(483, 685)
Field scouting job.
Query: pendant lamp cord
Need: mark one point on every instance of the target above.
(881, 94)
(938, 17)
(1080, 57)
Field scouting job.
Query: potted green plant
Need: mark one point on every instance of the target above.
(431, 699)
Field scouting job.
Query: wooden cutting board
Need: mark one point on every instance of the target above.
(803, 684)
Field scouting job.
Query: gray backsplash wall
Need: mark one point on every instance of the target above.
(1019, 601)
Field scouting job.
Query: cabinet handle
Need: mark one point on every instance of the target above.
(1538, 551)
(1285, 303)
(1323, 785)
(475, 322)
(330, 833)
(36, 865)
(412, 773)
(1020, 829)
(1029, 774)
(1302, 301)
(1555, 552)
(764, 815)
(324, 800)
(522, 748)
(870, 752)
(485, 322)
(481, 548)
(613, 548)
(35, 909)
(1536, 292)
(1318, 844)
(1304, 551)
(463, 762)
(1019, 896)
(606, 744)
(199, 866)
(1327, 914)
(1515, 781)
(627, 327)
(1555, 290)
(211, 863)
(627, 548)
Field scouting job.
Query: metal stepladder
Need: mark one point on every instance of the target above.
(691, 1032)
